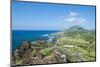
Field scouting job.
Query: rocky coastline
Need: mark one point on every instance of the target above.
(62, 47)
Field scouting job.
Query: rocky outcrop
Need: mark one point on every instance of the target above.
(30, 54)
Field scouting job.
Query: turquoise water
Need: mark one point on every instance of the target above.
(18, 36)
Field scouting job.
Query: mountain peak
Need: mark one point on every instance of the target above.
(76, 28)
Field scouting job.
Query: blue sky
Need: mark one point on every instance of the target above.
(42, 16)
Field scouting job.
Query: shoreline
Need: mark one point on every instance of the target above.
(60, 47)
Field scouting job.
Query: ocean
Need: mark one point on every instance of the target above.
(18, 36)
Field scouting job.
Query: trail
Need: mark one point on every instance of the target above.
(70, 46)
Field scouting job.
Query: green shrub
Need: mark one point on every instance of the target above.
(46, 51)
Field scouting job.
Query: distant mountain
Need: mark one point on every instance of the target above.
(77, 31)
(76, 28)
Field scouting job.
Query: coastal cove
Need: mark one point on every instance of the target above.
(75, 44)
(18, 36)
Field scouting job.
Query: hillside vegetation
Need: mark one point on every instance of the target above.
(75, 44)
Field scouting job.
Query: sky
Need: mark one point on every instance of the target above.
(46, 16)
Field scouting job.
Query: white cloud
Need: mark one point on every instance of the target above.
(70, 19)
(73, 14)
(74, 18)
